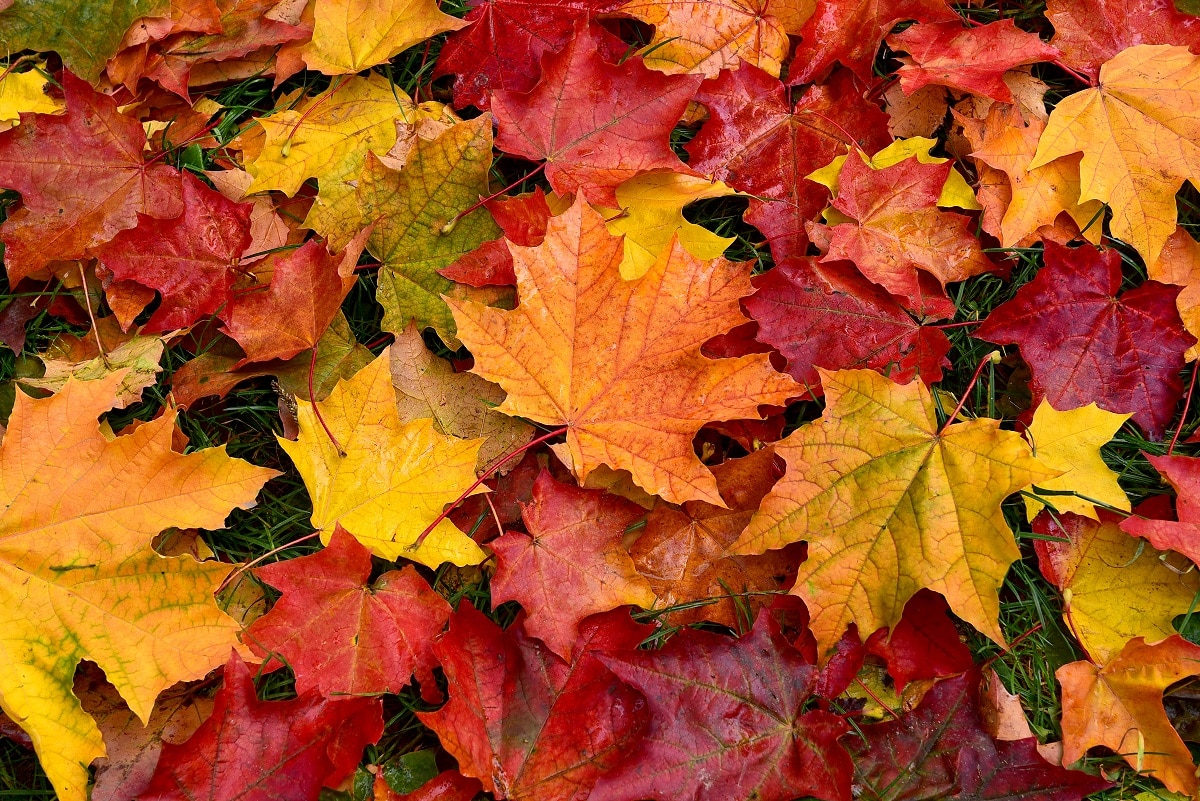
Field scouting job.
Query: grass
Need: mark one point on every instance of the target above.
(247, 422)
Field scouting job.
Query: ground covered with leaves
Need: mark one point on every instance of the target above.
(604, 399)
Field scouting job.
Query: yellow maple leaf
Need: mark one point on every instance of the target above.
(394, 479)
(1139, 132)
(328, 138)
(25, 93)
(1115, 586)
(353, 35)
(1070, 441)
(78, 578)
(889, 505)
(707, 36)
(651, 213)
(618, 362)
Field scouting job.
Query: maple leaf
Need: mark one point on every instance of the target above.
(1007, 141)
(682, 552)
(1070, 442)
(1085, 344)
(460, 404)
(306, 292)
(1179, 264)
(1119, 705)
(631, 111)
(1115, 588)
(252, 750)
(757, 142)
(940, 750)
(850, 31)
(101, 180)
(969, 59)
(876, 489)
(78, 571)
(895, 229)
(707, 36)
(188, 259)
(503, 44)
(523, 219)
(91, 36)
(328, 137)
(25, 93)
(1090, 32)
(827, 315)
(133, 748)
(728, 722)
(343, 636)
(1183, 474)
(1137, 132)
(651, 215)
(384, 481)
(528, 725)
(353, 35)
(618, 362)
(418, 230)
(574, 541)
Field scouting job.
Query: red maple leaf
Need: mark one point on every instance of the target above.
(528, 725)
(1090, 32)
(188, 259)
(251, 750)
(1183, 474)
(756, 141)
(82, 178)
(728, 722)
(523, 220)
(342, 635)
(596, 124)
(1085, 344)
(504, 45)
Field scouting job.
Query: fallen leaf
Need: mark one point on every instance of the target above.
(1137, 132)
(1085, 344)
(682, 551)
(102, 180)
(1181, 473)
(967, 59)
(1114, 586)
(876, 488)
(1119, 705)
(523, 219)
(460, 404)
(344, 636)
(626, 132)
(1071, 441)
(353, 35)
(250, 749)
(1179, 264)
(1090, 32)
(528, 725)
(727, 721)
(79, 578)
(392, 479)
(645, 389)
(25, 93)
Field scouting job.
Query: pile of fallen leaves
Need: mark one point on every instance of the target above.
(605, 514)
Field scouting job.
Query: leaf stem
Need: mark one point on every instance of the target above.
(1187, 404)
(991, 358)
(482, 478)
(229, 579)
(312, 397)
(448, 227)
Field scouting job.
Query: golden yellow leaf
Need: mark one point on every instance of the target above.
(78, 578)
(707, 36)
(24, 93)
(1179, 264)
(1139, 132)
(618, 362)
(417, 231)
(889, 505)
(1070, 441)
(651, 213)
(1006, 141)
(394, 479)
(1115, 586)
(353, 35)
(328, 138)
(956, 192)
